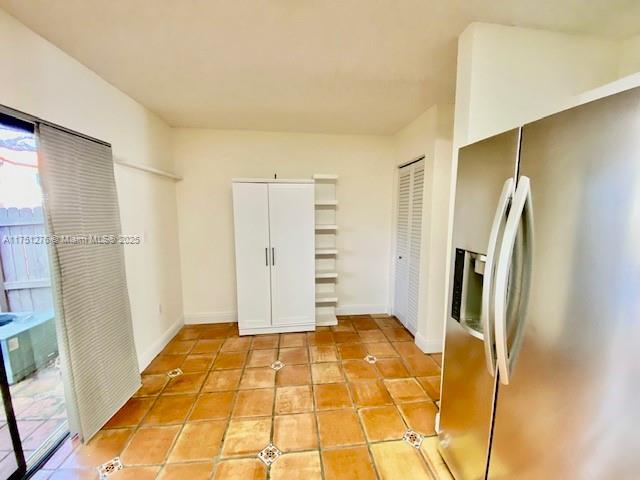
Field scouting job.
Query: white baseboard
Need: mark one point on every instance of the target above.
(428, 346)
(360, 309)
(150, 353)
(210, 317)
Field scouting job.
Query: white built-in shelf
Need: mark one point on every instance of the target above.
(326, 298)
(326, 203)
(326, 320)
(326, 227)
(325, 177)
(326, 274)
(320, 252)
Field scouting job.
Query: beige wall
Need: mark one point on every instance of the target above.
(40, 79)
(209, 159)
(430, 135)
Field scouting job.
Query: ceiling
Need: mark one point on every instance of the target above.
(334, 66)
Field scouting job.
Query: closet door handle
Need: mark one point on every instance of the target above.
(273, 256)
(266, 256)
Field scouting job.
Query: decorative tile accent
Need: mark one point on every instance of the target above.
(269, 454)
(109, 468)
(277, 365)
(412, 438)
(176, 372)
(370, 359)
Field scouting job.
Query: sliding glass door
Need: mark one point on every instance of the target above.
(12, 464)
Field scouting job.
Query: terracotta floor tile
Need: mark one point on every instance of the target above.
(295, 432)
(359, 370)
(199, 441)
(293, 355)
(382, 423)
(164, 363)
(178, 347)
(397, 334)
(431, 385)
(150, 445)
(263, 377)
(230, 360)
(344, 325)
(132, 413)
(293, 400)
(261, 342)
(320, 338)
(215, 332)
(246, 437)
(323, 353)
(262, 358)
(370, 394)
(293, 340)
(185, 383)
(346, 337)
(105, 445)
(293, 375)
(170, 409)
(421, 365)
(388, 322)
(245, 469)
(135, 473)
(372, 336)
(364, 323)
(407, 349)
(398, 460)
(220, 380)
(189, 471)
(152, 385)
(391, 368)
(188, 332)
(198, 362)
(437, 357)
(353, 463)
(240, 344)
(381, 349)
(420, 416)
(326, 373)
(352, 351)
(332, 396)
(254, 403)
(297, 466)
(405, 390)
(209, 406)
(207, 346)
(339, 428)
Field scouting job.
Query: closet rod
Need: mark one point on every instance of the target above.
(152, 170)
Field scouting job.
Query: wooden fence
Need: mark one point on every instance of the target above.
(25, 284)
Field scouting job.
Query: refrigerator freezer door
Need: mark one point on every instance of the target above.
(570, 410)
(468, 386)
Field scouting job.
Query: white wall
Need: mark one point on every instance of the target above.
(41, 80)
(629, 62)
(430, 135)
(209, 159)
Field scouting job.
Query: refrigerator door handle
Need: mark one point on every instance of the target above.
(521, 208)
(489, 270)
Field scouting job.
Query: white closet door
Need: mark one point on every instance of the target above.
(415, 245)
(291, 215)
(251, 218)
(408, 243)
(402, 244)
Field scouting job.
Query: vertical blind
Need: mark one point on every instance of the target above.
(93, 314)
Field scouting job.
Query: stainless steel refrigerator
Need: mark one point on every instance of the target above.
(541, 372)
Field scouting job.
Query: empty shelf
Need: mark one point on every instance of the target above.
(326, 298)
(326, 320)
(326, 227)
(326, 251)
(326, 274)
(326, 203)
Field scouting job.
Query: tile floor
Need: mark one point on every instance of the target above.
(329, 412)
(38, 404)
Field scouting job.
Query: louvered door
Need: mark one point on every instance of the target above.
(408, 243)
